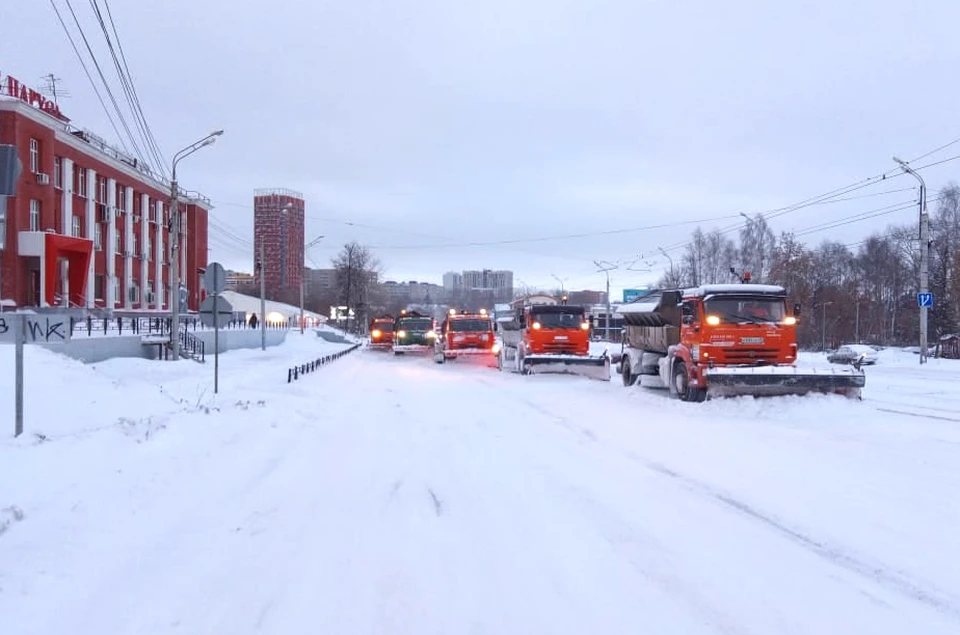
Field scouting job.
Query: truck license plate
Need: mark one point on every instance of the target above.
(560, 337)
(751, 340)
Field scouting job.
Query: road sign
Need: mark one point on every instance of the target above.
(223, 316)
(37, 329)
(629, 295)
(215, 278)
(925, 299)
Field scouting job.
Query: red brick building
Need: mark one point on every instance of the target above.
(278, 222)
(89, 225)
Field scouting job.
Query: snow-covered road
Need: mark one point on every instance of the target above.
(393, 495)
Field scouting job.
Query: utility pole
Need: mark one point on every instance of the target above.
(606, 267)
(263, 298)
(924, 254)
(824, 325)
(175, 240)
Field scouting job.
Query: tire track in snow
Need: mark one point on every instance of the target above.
(884, 576)
(940, 600)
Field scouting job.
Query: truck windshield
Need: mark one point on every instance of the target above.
(470, 326)
(386, 327)
(416, 324)
(559, 320)
(737, 310)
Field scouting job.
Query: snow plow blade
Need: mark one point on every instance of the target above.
(592, 367)
(771, 381)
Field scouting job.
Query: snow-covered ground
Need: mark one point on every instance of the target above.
(390, 494)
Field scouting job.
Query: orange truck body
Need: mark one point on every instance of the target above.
(466, 334)
(381, 332)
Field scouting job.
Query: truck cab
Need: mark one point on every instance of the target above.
(381, 332)
(466, 334)
(413, 332)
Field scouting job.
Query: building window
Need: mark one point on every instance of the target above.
(98, 287)
(122, 197)
(75, 226)
(82, 182)
(58, 173)
(116, 290)
(136, 246)
(34, 215)
(98, 237)
(101, 189)
(119, 242)
(150, 297)
(34, 156)
(148, 249)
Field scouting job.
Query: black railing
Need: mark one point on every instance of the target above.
(192, 345)
(296, 372)
(91, 326)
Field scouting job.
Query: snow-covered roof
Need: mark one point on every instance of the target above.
(638, 307)
(707, 289)
(249, 304)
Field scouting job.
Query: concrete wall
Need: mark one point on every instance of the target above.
(92, 350)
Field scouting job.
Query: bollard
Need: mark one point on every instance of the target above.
(289, 375)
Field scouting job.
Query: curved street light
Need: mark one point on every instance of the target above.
(924, 255)
(175, 239)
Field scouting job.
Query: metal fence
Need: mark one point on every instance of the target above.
(296, 372)
(117, 326)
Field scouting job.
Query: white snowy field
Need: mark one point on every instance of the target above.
(390, 494)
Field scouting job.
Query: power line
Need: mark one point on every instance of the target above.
(83, 64)
(106, 85)
(151, 139)
(138, 121)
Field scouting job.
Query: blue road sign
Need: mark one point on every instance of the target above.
(629, 295)
(925, 299)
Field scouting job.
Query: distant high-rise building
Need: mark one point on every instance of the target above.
(500, 282)
(452, 282)
(278, 222)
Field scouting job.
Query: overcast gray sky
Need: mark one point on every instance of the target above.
(417, 126)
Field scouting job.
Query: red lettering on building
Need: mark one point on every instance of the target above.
(30, 96)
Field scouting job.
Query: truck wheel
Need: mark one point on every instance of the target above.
(682, 385)
(629, 379)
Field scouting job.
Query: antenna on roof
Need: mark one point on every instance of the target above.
(50, 88)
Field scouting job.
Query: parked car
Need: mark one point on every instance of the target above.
(850, 353)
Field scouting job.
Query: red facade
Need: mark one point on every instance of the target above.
(278, 218)
(79, 200)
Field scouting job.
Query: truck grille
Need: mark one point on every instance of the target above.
(559, 347)
(749, 356)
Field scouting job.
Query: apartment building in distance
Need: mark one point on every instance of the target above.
(498, 282)
(278, 225)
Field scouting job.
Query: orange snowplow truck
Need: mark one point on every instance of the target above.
(550, 338)
(381, 332)
(466, 334)
(722, 340)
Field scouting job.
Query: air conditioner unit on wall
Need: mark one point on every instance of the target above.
(43, 179)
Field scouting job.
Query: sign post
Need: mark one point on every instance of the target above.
(215, 310)
(20, 329)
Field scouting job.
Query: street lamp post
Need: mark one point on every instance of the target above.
(175, 240)
(924, 254)
(664, 252)
(824, 325)
(303, 271)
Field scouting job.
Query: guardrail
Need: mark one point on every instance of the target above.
(107, 327)
(296, 372)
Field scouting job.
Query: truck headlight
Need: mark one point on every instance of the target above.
(401, 334)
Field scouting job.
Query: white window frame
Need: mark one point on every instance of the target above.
(118, 243)
(34, 155)
(98, 237)
(34, 215)
(75, 226)
(58, 173)
(82, 182)
(117, 298)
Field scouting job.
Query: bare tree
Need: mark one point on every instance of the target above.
(357, 272)
(757, 242)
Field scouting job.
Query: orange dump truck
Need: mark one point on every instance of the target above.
(550, 338)
(722, 340)
(465, 334)
(381, 332)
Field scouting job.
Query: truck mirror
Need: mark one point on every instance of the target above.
(796, 310)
